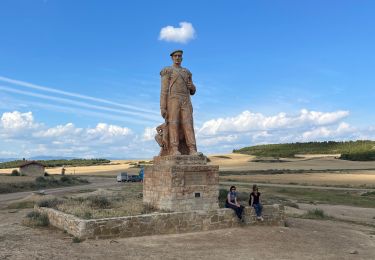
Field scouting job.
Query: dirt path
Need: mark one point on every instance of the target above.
(95, 183)
(229, 183)
(245, 163)
(303, 239)
(347, 213)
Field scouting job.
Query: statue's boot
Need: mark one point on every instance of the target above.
(193, 150)
(175, 151)
(190, 139)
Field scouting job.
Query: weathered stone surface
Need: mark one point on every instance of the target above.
(161, 223)
(181, 183)
(180, 160)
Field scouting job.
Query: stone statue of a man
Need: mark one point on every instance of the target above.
(176, 136)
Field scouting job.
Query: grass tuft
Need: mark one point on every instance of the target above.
(99, 202)
(36, 219)
(76, 240)
(49, 203)
(316, 214)
(368, 193)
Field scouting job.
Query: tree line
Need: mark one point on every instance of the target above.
(360, 150)
(57, 163)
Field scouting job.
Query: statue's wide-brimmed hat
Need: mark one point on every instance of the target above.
(173, 52)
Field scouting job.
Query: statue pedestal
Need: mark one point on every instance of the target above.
(181, 183)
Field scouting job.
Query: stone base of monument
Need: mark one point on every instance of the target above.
(181, 183)
(184, 186)
(160, 223)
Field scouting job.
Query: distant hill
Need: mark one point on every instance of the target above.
(361, 150)
(57, 163)
(38, 158)
(46, 157)
(7, 159)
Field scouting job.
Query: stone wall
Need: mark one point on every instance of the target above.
(32, 170)
(161, 223)
(72, 224)
(181, 183)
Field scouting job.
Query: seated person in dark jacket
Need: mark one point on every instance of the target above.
(232, 202)
(254, 201)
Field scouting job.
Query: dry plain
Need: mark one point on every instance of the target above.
(348, 234)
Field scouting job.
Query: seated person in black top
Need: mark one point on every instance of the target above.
(254, 201)
(232, 203)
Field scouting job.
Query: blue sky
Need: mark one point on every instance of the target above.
(81, 78)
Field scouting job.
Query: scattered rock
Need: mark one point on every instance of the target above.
(353, 252)
(113, 241)
(40, 192)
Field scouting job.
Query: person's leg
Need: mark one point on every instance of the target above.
(260, 209)
(257, 209)
(237, 210)
(240, 211)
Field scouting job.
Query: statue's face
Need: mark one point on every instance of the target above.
(177, 58)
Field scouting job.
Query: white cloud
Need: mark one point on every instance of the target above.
(58, 131)
(248, 128)
(17, 121)
(21, 136)
(149, 133)
(342, 130)
(248, 121)
(218, 140)
(105, 133)
(183, 34)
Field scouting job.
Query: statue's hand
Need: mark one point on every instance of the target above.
(191, 87)
(163, 113)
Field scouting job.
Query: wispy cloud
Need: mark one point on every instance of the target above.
(75, 95)
(183, 34)
(79, 103)
(86, 112)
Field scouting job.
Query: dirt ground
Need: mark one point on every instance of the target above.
(350, 178)
(302, 239)
(241, 162)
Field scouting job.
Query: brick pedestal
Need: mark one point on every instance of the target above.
(181, 183)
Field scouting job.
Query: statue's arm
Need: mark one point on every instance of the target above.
(165, 73)
(191, 85)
